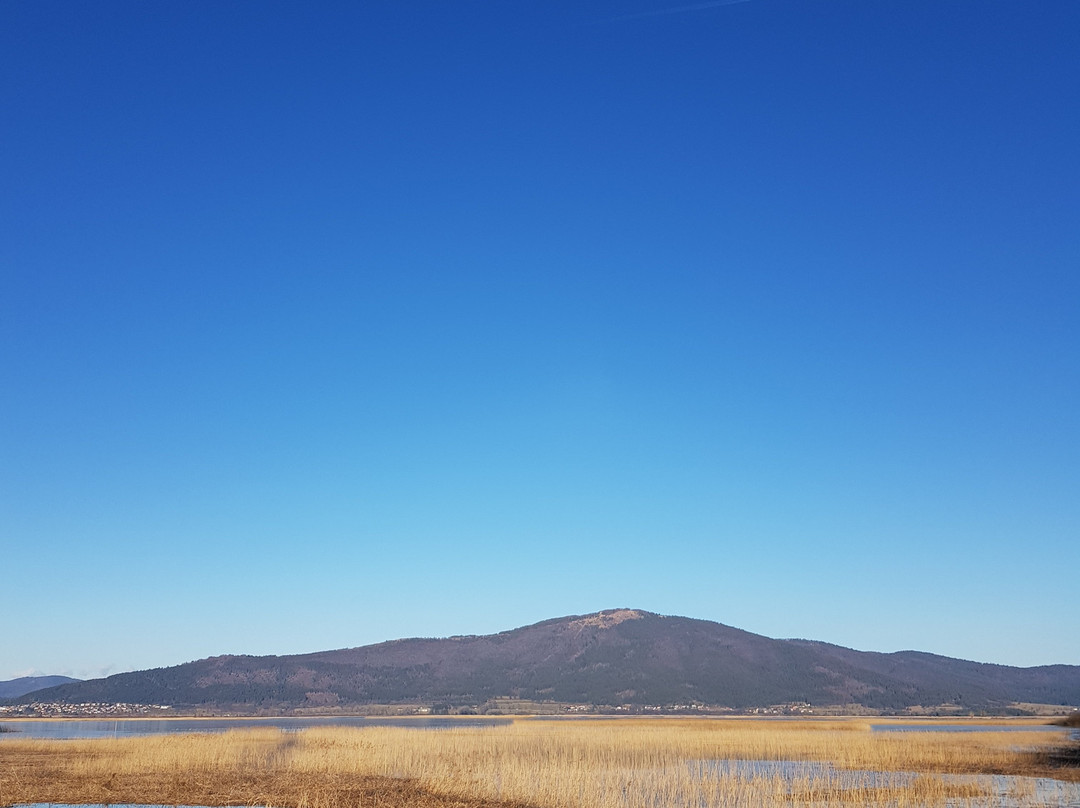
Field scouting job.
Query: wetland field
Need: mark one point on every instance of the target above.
(585, 763)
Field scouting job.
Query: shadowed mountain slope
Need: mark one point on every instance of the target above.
(13, 688)
(613, 657)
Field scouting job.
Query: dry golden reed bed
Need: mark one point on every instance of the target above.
(624, 763)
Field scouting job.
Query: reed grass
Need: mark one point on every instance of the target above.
(623, 763)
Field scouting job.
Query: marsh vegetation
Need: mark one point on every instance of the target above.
(550, 764)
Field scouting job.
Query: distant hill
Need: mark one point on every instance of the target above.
(13, 688)
(614, 657)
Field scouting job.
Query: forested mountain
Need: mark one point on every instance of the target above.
(13, 688)
(613, 657)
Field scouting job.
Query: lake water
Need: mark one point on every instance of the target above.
(131, 727)
(126, 727)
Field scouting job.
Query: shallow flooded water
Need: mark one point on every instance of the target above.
(1071, 734)
(966, 728)
(1001, 791)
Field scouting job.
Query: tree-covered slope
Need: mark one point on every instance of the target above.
(13, 688)
(615, 657)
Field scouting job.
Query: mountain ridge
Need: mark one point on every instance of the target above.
(609, 658)
(21, 685)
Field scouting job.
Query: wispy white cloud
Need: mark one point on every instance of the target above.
(99, 672)
(89, 672)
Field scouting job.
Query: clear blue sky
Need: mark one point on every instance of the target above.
(328, 323)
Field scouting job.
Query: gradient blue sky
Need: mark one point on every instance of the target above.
(324, 324)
